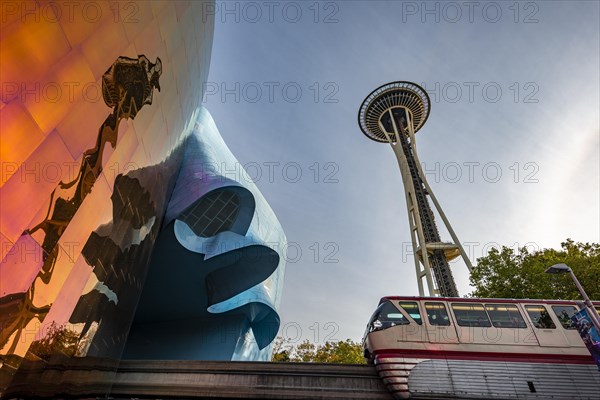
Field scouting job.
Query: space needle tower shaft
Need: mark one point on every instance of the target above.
(392, 114)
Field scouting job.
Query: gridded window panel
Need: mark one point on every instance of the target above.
(505, 316)
(437, 314)
(469, 314)
(214, 213)
(540, 317)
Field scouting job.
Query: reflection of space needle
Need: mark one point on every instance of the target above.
(392, 114)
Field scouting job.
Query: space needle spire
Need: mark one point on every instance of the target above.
(392, 114)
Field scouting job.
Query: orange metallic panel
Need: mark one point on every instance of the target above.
(119, 162)
(150, 42)
(96, 210)
(60, 90)
(79, 20)
(79, 128)
(135, 16)
(27, 50)
(80, 279)
(20, 137)
(181, 7)
(101, 49)
(11, 11)
(158, 6)
(25, 192)
(167, 23)
(21, 262)
(5, 246)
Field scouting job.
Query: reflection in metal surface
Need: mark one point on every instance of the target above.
(215, 279)
(127, 86)
(78, 253)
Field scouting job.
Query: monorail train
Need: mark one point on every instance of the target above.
(458, 348)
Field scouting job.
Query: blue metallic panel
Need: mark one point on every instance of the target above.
(222, 290)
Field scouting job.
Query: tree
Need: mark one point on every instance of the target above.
(506, 273)
(281, 350)
(346, 352)
(58, 340)
(338, 352)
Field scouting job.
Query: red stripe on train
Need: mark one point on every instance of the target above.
(487, 356)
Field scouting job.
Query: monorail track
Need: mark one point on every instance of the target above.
(199, 380)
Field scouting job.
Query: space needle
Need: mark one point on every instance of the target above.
(392, 114)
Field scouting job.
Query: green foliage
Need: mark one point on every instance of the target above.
(520, 274)
(346, 352)
(281, 356)
(305, 352)
(339, 352)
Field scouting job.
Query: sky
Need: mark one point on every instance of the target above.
(510, 149)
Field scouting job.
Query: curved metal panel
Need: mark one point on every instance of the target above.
(232, 278)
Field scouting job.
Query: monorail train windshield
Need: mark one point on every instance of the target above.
(385, 316)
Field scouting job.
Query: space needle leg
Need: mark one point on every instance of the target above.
(438, 207)
(414, 218)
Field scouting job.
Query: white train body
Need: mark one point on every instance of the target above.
(456, 348)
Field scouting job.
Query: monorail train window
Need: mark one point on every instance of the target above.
(505, 316)
(437, 314)
(564, 314)
(540, 317)
(470, 314)
(413, 310)
(386, 316)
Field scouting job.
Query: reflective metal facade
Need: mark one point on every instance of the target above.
(211, 296)
(100, 112)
